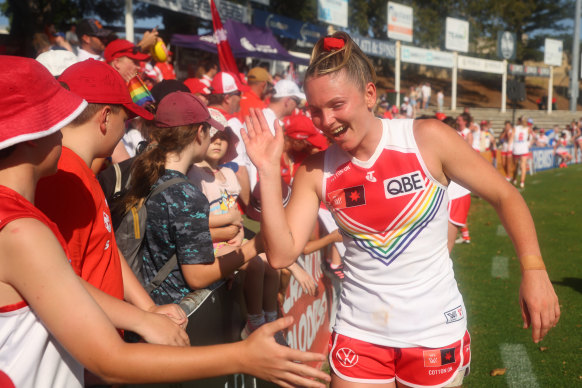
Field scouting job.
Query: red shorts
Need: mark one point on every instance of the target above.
(358, 361)
(459, 210)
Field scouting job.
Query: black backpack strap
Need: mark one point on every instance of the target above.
(164, 185)
(167, 268)
(162, 274)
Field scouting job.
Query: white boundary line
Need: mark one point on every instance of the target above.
(499, 267)
(519, 370)
(501, 231)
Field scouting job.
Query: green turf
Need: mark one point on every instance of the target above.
(555, 200)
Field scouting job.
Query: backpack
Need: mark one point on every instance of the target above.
(130, 235)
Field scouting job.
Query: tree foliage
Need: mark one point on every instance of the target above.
(530, 20)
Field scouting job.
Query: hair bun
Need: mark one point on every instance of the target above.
(330, 43)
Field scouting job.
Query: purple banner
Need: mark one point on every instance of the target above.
(245, 41)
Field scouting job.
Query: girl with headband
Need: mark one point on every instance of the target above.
(401, 320)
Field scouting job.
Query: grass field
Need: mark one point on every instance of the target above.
(498, 339)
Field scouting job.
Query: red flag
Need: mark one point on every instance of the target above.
(225, 56)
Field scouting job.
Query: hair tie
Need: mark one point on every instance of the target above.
(330, 43)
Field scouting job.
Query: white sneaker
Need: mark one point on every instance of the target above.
(245, 332)
(461, 240)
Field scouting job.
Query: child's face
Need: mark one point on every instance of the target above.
(217, 149)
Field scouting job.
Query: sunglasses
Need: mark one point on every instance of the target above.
(235, 93)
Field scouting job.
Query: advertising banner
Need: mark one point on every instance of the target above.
(333, 12)
(399, 22)
(375, 47)
(553, 52)
(287, 27)
(531, 71)
(426, 57)
(201, 8)
(310, 330)
(457, 35)
(482, 65)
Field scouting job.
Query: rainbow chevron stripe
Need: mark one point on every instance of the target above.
(389, 244)
(139, 92)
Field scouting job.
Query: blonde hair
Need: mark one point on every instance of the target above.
(348, 58)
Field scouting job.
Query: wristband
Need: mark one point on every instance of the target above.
(528, 262)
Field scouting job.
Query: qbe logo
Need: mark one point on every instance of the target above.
(403, 184)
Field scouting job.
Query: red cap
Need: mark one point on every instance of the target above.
(181, 108)
(225, 83)
(123, 48)
(99, 83)
(300, 127)
(440, 116)
(34, 104)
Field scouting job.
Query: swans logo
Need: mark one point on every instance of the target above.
(107, 222)
(347, 357)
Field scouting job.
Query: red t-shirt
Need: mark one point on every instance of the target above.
(249, 100)
(167, 70)
(73, 199)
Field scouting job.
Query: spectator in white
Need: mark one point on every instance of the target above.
(287, 97)
(57, 61)
(407, 108)
(542, 139)
(440, 100)
(124, 57)
(91, 36)
(425, 90)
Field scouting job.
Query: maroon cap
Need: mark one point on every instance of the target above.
(99, 83)
(34, 104)
(123, 48)
(181, 108)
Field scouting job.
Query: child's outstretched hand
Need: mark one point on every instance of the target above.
(281, 365)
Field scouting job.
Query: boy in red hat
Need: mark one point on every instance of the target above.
(73, 199)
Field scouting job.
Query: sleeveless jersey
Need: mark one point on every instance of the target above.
(520, 140)
(399, 288)
(29, 354)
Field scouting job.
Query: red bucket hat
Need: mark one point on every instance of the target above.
(34, 104)
(123, 48)
(99, 83)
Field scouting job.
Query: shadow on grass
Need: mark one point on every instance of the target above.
(573, 283)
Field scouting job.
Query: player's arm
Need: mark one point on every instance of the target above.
(285, 231)
(33, 263)
(447, 156)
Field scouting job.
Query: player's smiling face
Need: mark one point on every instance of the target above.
(340, 108)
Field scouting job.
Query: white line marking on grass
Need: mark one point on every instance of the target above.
(559, 174)
(499, 267)
(519, 370)
(501, 230)
(535, 182)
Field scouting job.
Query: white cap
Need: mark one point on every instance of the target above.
(287, 88)
(57, 61)
(216, 115)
